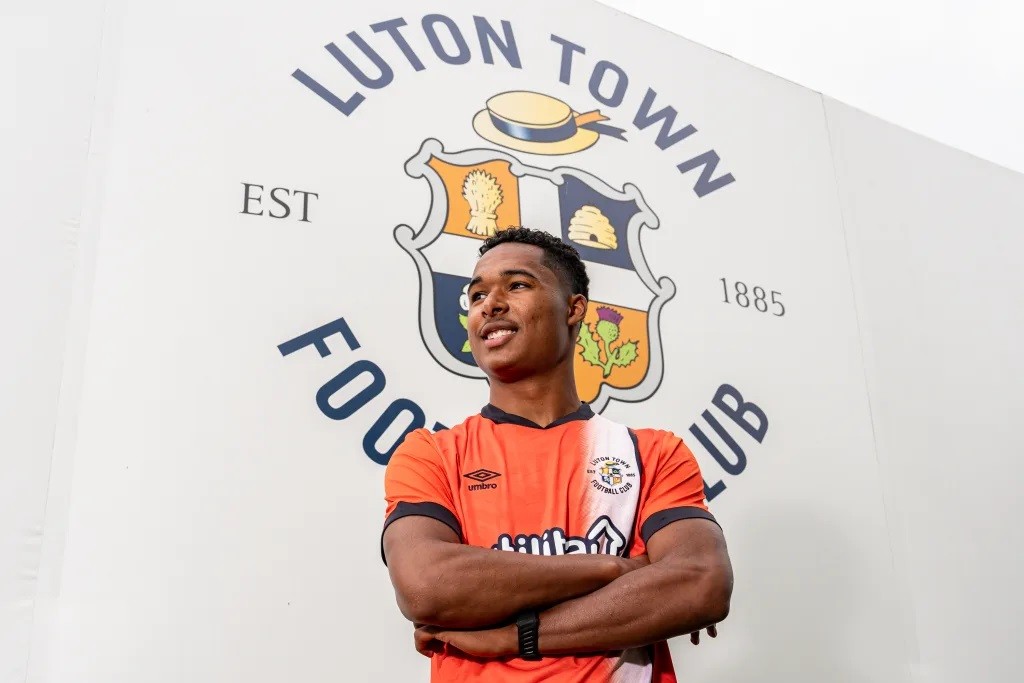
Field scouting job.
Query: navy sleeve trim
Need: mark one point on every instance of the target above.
(640, 472)
(660, 520)
(432, 510)
(636, 449)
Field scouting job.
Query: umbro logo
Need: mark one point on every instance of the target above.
(482, 476)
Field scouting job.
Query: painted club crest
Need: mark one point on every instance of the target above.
(477, 192)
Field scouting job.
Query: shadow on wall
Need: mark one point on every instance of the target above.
(797, 605)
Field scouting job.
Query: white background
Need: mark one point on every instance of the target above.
(928, 282)
(215, 512)
(948, 69)
(48, 79)
(935, 242)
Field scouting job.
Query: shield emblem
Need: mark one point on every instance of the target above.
(475, 193)
(610, 474)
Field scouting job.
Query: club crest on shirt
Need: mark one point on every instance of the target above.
(611, 475)
(476, 193)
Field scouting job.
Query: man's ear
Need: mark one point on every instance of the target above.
(577, 309)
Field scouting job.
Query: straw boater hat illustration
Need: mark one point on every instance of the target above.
(540, 124)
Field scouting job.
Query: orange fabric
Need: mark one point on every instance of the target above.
(675, 480)
(590, 117)
(542, 490)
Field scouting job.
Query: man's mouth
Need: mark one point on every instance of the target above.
(496, 334)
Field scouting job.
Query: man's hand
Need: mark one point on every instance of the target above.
(489, 643)
(695, 636)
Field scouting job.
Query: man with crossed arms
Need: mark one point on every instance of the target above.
(610, 547)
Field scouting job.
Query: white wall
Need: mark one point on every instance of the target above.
(936, 242)
(936, 67)
(215, 511)
(205, 521)
(48, 76)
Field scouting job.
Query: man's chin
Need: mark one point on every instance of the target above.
(503, 367)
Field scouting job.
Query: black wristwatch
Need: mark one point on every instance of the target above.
(528, 625)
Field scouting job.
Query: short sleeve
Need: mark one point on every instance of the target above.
(416, 483)
(674, 487)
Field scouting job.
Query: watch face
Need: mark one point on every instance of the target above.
(286, 210)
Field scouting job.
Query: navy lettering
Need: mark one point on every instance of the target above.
(353, 404)
(740, 411)
(346, 107)
(391, 28)
(708, 162)
(711, 491)
(382, 424)
(318, 338)
(666, 136)
(568, 48)
(462, 56)
(597, 78)
(727, 465)
(487, 35)
(386, 74)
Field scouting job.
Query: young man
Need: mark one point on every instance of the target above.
(614, 550)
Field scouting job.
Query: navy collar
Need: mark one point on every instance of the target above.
(499, 416)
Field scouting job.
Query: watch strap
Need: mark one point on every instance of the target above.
(528, 627)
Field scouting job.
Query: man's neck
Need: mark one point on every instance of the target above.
(539, 399)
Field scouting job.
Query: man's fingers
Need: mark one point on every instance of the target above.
(426, 642)
(712, 631)
(421, 639)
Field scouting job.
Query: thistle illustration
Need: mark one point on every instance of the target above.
(607, 330)
(482, 191)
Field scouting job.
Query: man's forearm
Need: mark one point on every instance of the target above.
(655, 603)
(460, 586)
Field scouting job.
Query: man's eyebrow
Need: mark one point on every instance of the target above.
(517, 271)
(512, 272)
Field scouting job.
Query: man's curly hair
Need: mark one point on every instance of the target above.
(563, 259)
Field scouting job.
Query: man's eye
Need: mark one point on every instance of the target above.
(476, 296)
(516, 285)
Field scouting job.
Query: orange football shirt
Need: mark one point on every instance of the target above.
(583, 484)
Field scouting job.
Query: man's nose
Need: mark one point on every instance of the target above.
(495, 303)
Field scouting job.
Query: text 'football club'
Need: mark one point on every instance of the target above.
(728, 400)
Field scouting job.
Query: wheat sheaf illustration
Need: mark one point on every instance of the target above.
(483, 192)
